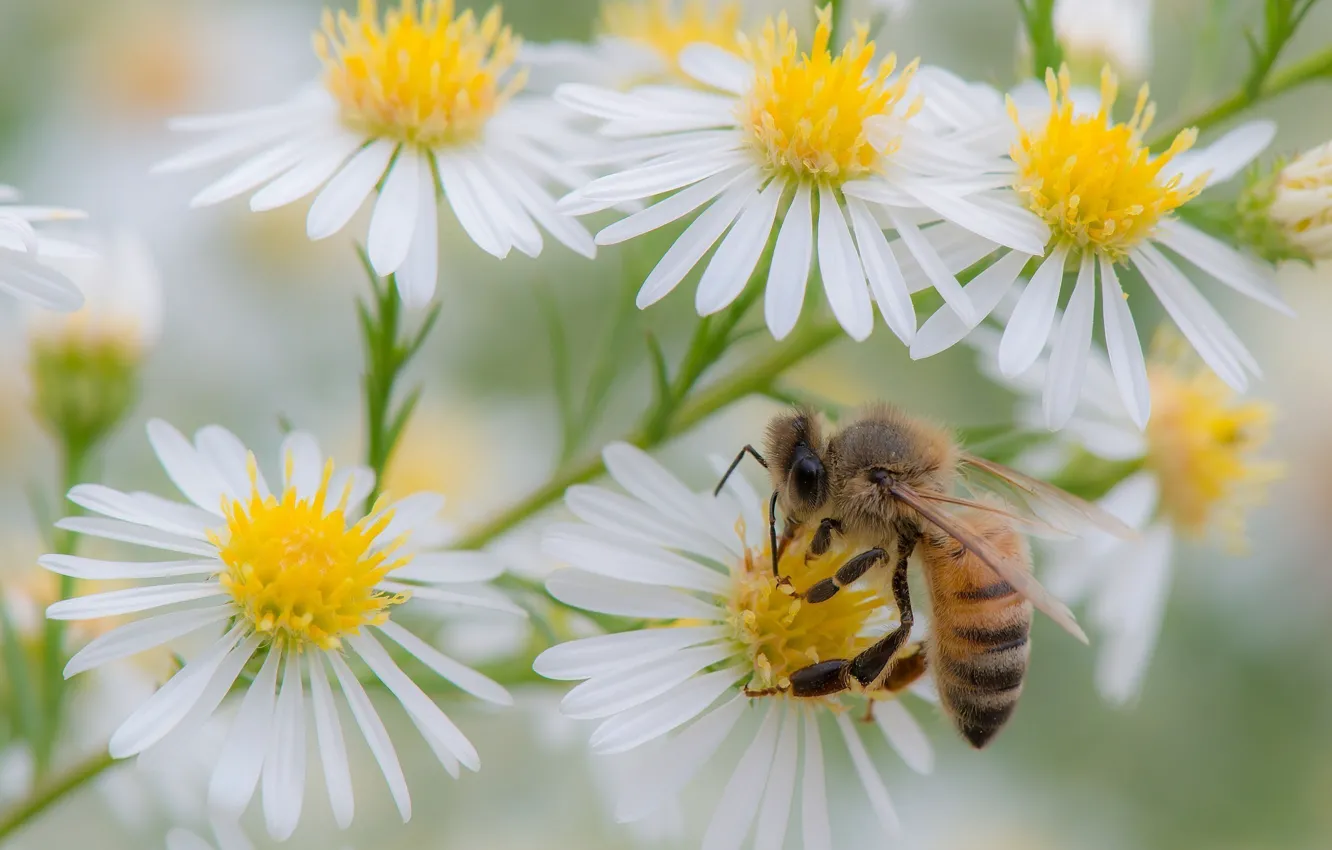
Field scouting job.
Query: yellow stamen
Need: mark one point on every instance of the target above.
(658, 25)
(783, 633)
(424, 77)
(806, 113)
(298, 572)
(1201, 445)
(1092, 180)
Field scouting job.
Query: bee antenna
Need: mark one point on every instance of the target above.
(739, 457)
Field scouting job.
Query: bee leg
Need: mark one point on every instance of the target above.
(763, 692)
(868, 665)
(822, 679)
(823, 537)
(853, 569)
(903, 671)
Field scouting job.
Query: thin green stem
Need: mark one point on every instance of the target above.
(1038, 21)
(756, 377)
(835, 14)
(31, 808)
(1318, 65)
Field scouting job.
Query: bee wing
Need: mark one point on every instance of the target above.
(1059, 508)
(1027, 523)
(1015, 573)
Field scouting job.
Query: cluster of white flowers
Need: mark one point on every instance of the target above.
(791, 157)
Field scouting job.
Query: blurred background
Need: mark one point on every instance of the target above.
(1230, 747)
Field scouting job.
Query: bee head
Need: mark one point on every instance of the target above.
(795, 462)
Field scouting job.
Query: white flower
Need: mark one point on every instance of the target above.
(1094, 33)
(1302, 201)
(227, 835)
(298, 582)
(421, 104)
(1109, 205)
(1192, 471)
(698, 567)
(123, 300)
(24, 254)
(787, 149)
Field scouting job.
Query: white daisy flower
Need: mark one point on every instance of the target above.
(723, 630)
(297, 581)
(227, 835)
(24, 253)
(1193, 470)
(1302, 202)
(422, 104)
(1109, 204)
(638, 42)
(813, 154)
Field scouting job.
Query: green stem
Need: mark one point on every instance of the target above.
(756, 377)
(836, 17)
(35, 805)
(1293, 76)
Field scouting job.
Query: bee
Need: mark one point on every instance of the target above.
(887, 482)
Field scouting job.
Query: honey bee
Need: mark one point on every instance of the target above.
(886, 481)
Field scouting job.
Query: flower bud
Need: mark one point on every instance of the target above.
(1301, 202)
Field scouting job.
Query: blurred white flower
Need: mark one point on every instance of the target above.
(699, 566)
(1302, 202)
(122, 306)
(1108, 204)
(639, 42)
(227, 835)
(822, 136)
(25, 270)
(1193, 471)
(419, 104)
(1095, 33)
(297, 580)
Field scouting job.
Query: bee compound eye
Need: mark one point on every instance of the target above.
(808, 476)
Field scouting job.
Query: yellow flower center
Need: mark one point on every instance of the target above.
(1092, 180)
(1201, 444)
(423, 77)
(657, 25)
(806, 113)
(298, 572)
(782, 633)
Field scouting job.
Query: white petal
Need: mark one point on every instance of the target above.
(1240, 272)
(284, 769)
(393, 223)
(944, 281)
(337, 202)
(1072, 345)
(505, 213)
(1024, 232)
(1029, 326)
(375, 734)
(637, 472)
(944, 329)
(420, 706)
(128, 532)
(775, 814)
(669, 209)
(332, 748)
(608, 596)
(450, 567)
(229, 458)
(25, 278)
(594, 656)
(142, 635)
(251, 173)
(885, 276)
(739, 802)
(1225, 157)
(468, 208)
(95, 570)
(905, 735)
(1127, 651)
(1124, 348)
(316, 167)
(144, 509)
(220, 685)
(194, 477)
(715, 67)
(606, 553)
(689, 751)
(839, 265)
(183, 839)
(114, 603)
(417, 276)
(729, 269)
(636, 519)
(815, 825)
(869, 778)
(647, 722)
(467, 595)
(701, 234)
(302, 464)
(170, 703)
(248, 743)
(223, 147)
(789, 270)
(541, 207)
(464, 677)
(618, 691)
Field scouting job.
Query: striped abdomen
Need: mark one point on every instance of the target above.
(978, 646)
